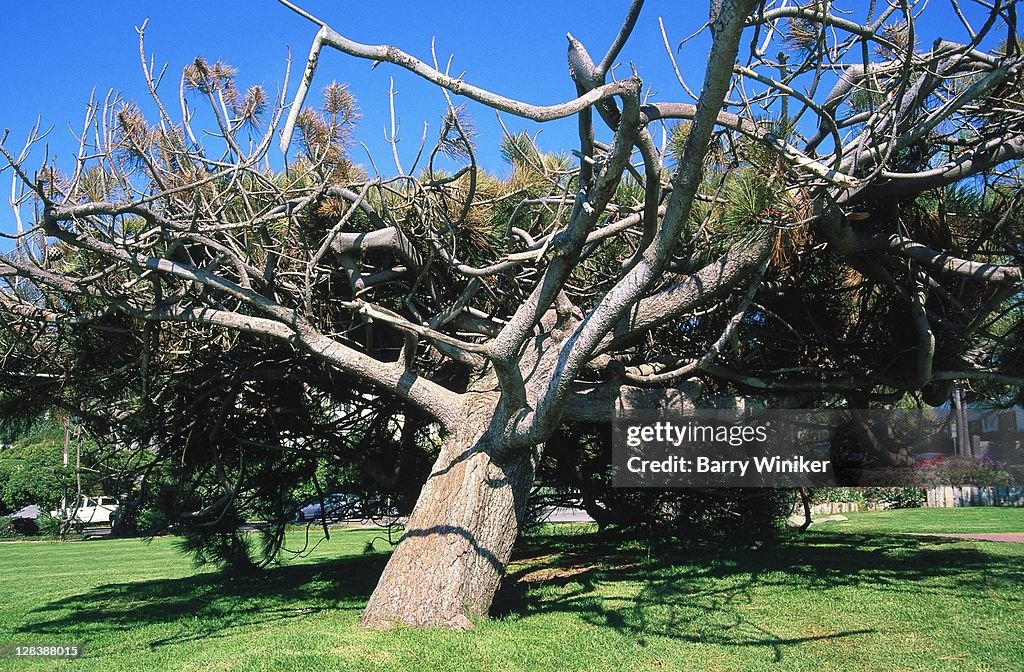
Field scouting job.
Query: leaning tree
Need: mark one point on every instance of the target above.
(834, 218)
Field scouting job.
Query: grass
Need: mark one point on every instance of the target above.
(832, 599)
(966, 520)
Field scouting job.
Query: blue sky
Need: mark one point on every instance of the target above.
(54, 54)
(58, 52)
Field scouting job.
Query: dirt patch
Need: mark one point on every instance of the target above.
(555, 574)
(1011, 537)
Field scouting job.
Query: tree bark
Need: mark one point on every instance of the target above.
(452, 556)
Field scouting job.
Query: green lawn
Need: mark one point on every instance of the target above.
(967, 520)
(832, 599)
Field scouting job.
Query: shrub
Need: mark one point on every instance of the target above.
(978, 471)
(740, 514)
(896, 498)
(227, 550)
(837, 495)
(25, 527)
(150, 521)
(48, 526)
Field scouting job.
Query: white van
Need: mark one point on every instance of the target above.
(90, 510)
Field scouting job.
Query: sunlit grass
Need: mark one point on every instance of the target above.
(961, 520)
(828, 600)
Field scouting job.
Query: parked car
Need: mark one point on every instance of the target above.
(24, 521)
(30, 512)
(336, 505)
(928, 459)
(90, 510)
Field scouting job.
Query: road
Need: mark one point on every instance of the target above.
(565, 514)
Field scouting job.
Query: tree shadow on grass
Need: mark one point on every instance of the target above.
(705, 592)
(210, 605)
(712, 592)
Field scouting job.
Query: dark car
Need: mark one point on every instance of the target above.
(336, 506)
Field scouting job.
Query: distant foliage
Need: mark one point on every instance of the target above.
(896, 498)
(32, 471)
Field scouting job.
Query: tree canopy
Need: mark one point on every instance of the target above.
(834, 219)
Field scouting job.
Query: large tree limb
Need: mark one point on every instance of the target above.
(601, 403)
(992, 153)
(947, 263)
(574, 353)
(708, 284)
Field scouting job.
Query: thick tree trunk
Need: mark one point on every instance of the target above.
(452, 557)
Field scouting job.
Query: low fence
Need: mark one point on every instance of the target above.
(829, 508)
(969, 495)
(940, 497)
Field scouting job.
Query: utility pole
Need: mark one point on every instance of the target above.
(78, 464)
(963, 441)
(67, 446)
(64, 483)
